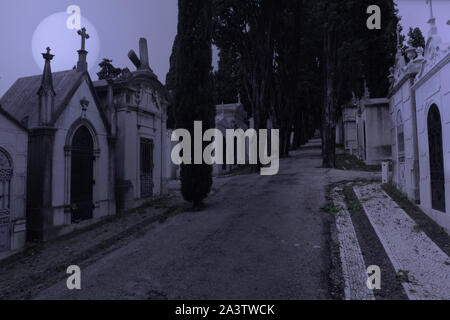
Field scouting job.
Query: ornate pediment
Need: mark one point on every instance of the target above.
(434, 52)
(399, 70)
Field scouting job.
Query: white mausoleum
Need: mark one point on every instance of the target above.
(13, 176)
(372, 130)
(230, 116)
(73, 152)
(420, 118)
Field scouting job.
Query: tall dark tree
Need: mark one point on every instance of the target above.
(193, 94)
(171, 79)
(352, 55)
(247, 28)
(307, 117)
(416, 38)
(380, 49)
(288, 68)
(301, 60)
(227, 78)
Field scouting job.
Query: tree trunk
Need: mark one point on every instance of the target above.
(329, 103)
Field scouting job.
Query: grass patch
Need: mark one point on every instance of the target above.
(353, 205)
(350, 162)
(403, 276)
(331, 209)
(161, 202)
(239, 170)
(372, 248)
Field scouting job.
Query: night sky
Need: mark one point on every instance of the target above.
(120, 24)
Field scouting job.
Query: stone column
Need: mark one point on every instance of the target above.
(39, 184)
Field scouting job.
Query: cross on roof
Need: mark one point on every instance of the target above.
(430, 2)
(84, 36)
(47, 55)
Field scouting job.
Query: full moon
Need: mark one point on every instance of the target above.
(64, 43)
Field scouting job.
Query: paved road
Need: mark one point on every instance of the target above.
(259, 238)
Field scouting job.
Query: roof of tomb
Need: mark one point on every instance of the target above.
(22, 100)
(124, 78)
(128, 79)
(12, 119)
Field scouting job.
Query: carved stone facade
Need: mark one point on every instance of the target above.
(420, 125)
(230, 116)
(372, 130)
(13, 169)
(349, 113)
(138, 113)
(86, 150)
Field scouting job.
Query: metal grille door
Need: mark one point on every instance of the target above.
(5, 201)
(146, 168)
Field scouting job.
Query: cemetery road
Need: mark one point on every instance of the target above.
(259, 237)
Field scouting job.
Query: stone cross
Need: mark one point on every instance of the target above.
(84, 36)
(430, 2)
(142, 62)
(48, 56)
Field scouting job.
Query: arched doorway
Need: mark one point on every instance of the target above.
(401, 151)
(82, 175)
(147, 166)
(400, 138)
(6, 172)
(365, 140)
(436, 159)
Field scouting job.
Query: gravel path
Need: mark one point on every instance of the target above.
(353, 265)
(258, 238)
(423, 266)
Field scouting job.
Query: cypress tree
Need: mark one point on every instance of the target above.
(193, 94)
(171, 79)
(416, 38)
(352, 55)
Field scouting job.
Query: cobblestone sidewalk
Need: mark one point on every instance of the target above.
(424, 267)
(353, 265)
(43, 264)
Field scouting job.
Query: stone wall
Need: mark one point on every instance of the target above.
(405, 170)
(14, 142)
(373, 134)
(434, 89)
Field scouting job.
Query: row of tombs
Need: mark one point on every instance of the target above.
(74, 151)
(410, 127)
